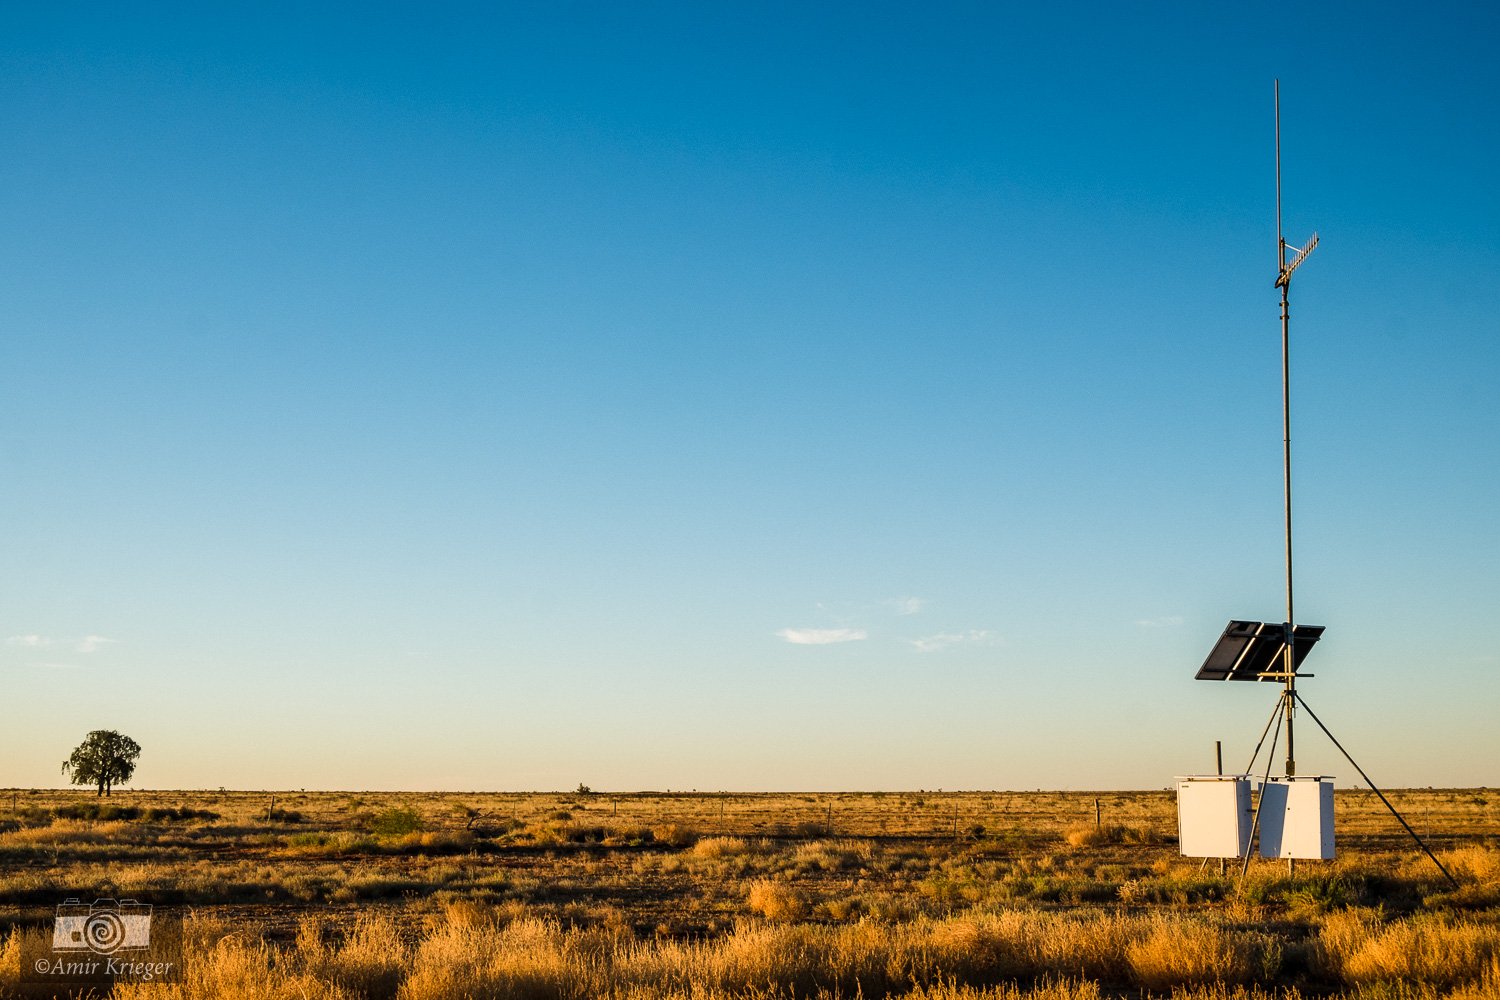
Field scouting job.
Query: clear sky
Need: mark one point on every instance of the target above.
(741, 396)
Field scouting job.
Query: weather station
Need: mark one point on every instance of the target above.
(1218, 816)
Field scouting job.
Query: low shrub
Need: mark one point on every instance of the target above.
(1094, 836)
(552, 834)
(331, 842)
(832, 855)
(436, 842)
(776, 900)
(397, 822)
(721, 847)
(108, 811)
(673, 835)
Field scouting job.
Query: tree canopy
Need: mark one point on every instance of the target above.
(105, 758)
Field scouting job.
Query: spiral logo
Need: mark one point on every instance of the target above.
(104, 932)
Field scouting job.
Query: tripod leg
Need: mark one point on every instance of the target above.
(1275, 715)
(1270, 756)
(1399, 818)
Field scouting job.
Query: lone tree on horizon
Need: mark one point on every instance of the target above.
(105, 758)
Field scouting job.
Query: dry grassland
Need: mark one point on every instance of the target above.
(937, 896)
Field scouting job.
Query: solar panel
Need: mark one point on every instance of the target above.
(1247, 650)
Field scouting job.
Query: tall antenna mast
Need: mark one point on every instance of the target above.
(1248, 651)
(1284, 269)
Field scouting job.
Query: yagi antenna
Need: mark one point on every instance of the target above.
(1283, 269)
(1286, 269)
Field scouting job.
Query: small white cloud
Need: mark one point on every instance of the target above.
(1168, 621)
(942, 640)
(29, 641)
(93, 643)
(907, 605)
(821, 636)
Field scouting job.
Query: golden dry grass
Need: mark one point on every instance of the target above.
(721, 847)
(921, 895)
(1358, 947)
(1176, 952)
(776, 900)
(1475, 863)
(999, 955)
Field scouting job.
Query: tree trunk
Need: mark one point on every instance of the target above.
(101, 787)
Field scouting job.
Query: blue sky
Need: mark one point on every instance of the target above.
(740, 396)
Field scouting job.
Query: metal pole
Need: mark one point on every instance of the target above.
(1289, 638)
(1288, 659)
(1280, 243)
(1219, 762)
